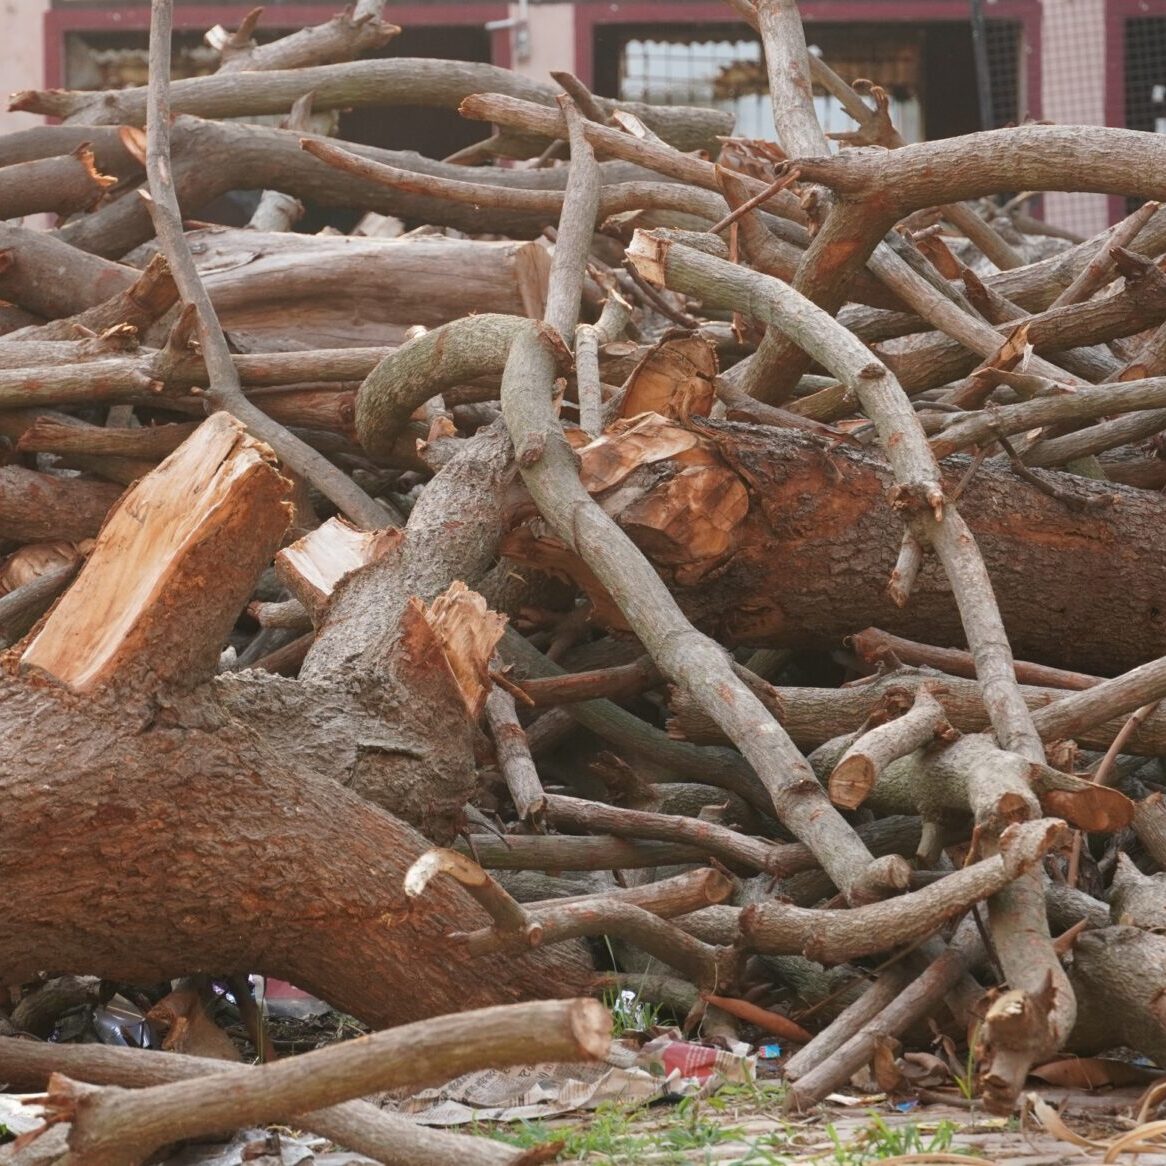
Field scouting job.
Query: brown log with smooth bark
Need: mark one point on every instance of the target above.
(131, 311)
(40, 507)
(64, 184)
(211, 158)
(348, 34)
(110, 152)
(43, 274)
(357, 1125)
(351, 292)
(354, 84)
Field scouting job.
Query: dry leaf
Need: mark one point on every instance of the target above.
(940, 255)
(887, 1074)
(183, 1017)
(925, 1070)
(752, 156)
(1091, 1073)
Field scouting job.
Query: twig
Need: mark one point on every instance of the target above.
(850, 1020)
(621, 681)
(1080, 711)
(1096, 272)
(906, 570)
(612, 321)
(873, 645)
(1073, 501)
(691, 323)
(508, 915)
(1107, 767)
(569, 265)
(581, 96)
(514, 759)
(635, 914)
(913, 1002)
(738, 212)
(711, 837)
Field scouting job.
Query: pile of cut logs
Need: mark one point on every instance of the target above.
(754, 556)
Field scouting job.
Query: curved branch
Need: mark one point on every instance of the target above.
(354, 84)
(112, 1126)
(833, 937)
(225, 391)
(460, 351)
(357, 1125)
(1031, 157)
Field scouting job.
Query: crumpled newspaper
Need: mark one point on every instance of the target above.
(667, 1066)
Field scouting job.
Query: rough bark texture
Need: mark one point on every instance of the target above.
(821, 517)
(185, 793)
(232, 857)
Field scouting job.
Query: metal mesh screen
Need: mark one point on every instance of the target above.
(926, 68)
(1007, 101)
(1145, 77)
(728, 72)
(1074, 68)
(1145, 74)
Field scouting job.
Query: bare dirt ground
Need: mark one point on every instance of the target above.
(743, 1126)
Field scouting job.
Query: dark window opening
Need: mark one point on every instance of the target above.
(116, 60)
(928, 70)
(1145, 80)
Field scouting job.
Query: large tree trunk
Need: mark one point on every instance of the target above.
(768, 537)
(183, 822)
(177, 840)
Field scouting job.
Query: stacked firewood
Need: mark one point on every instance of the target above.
(751, 555)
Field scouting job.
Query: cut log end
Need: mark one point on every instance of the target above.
(195, 534)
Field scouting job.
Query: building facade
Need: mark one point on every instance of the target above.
(1099, 62)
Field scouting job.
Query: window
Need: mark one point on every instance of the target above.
(729, 73)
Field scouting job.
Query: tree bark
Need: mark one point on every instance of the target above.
(238, 811)
(823, 516)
